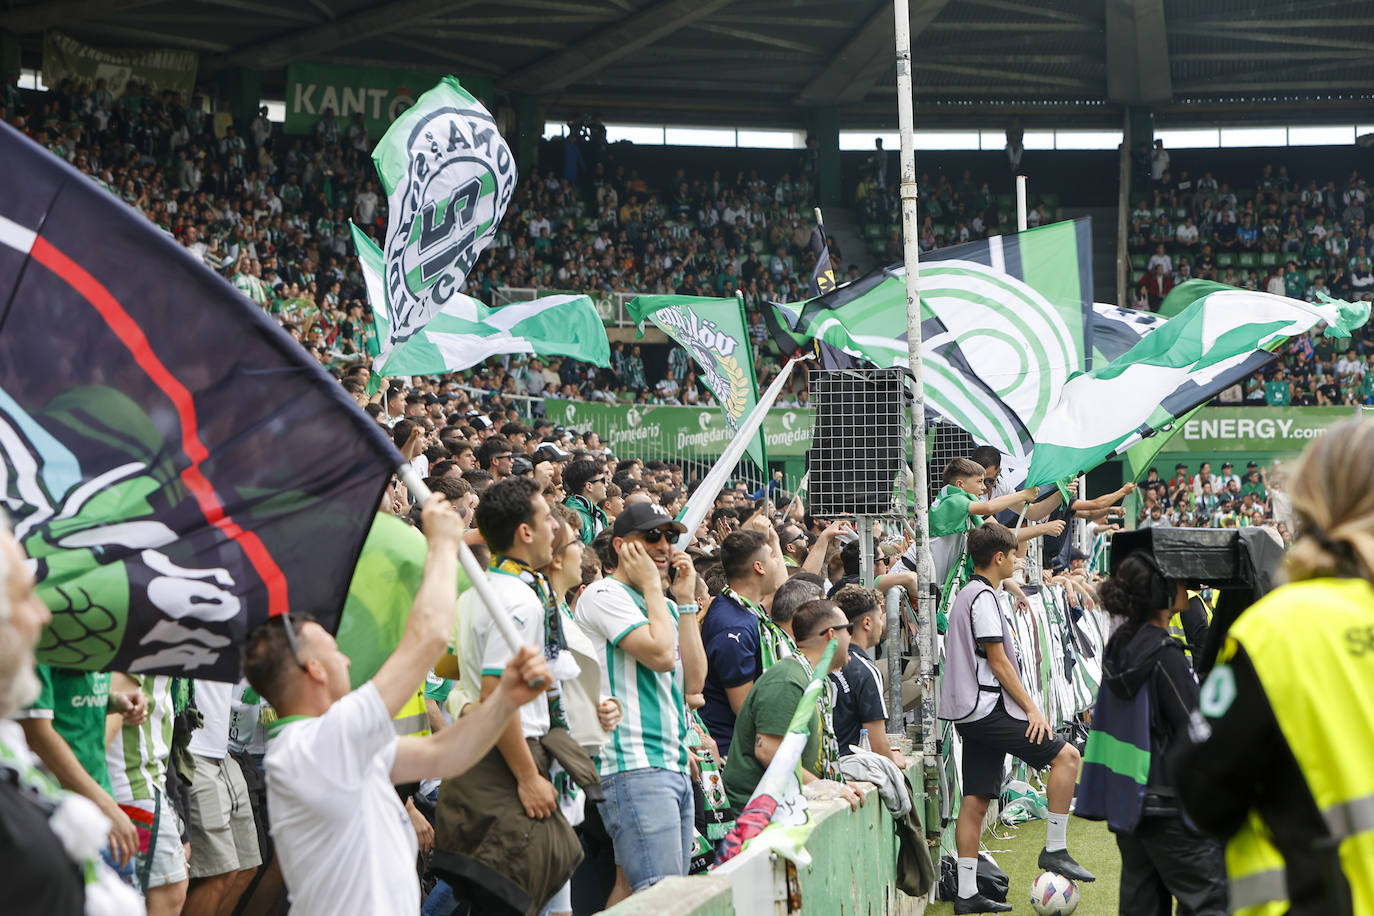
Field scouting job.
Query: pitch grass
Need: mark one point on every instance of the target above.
(1090, 842)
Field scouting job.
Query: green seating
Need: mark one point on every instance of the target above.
(1268, 258)
(1226, 259)
(1138, 261)
(1247, 259)
(873, 231)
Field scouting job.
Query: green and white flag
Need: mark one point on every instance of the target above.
(1223, 336)
(1005, 322)
(448, 176)
(714, 332)
(465, 332)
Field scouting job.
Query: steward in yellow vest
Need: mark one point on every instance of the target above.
(1280, 758)
(1289, 720)
(1190, 627)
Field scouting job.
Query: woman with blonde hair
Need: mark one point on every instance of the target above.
(1281, 757)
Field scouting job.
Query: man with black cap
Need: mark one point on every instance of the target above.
(1227, 475)
(653, 660)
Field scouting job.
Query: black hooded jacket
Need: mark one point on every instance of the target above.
(1151, 659)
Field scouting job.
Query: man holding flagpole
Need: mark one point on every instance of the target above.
(341, 834)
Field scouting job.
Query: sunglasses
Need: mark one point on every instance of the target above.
(800, 537)
(841, 626)
(291, 645)
(654, 535)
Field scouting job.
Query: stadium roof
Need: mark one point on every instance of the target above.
(770, 60)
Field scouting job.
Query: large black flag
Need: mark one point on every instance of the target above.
(175, 464)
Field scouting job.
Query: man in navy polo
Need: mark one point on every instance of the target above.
(740, 638)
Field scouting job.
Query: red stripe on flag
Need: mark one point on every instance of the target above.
(132, 336)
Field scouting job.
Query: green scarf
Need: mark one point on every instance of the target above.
(554, 642)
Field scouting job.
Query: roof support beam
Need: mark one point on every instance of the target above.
(349, 30)
(868, 54)
(1137, 52)
(42, 16)
(596, 52)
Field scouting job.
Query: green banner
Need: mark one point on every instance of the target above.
(664, 432)
(1267, 430)
(157, 69)
(716, 336)
(379, 93)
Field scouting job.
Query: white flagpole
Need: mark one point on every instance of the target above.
(705, 497)
(1034, 560)
(476, 575)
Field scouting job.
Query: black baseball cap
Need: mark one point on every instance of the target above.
(1252, 464)
(521, 465)
(1225, 465)
(1180, 466)
(645, 517)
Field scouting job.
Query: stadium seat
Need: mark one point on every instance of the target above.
(1181, 213)
(1247, 259)
(1138, 261)
(1226, 259)
(1006, 203)
(1051, 202)
(1268, 258)
(873, 231)
(1314, 273)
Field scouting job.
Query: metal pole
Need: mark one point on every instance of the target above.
(1020, 203)
(895, 715)
(925, 565)
(1034, 561)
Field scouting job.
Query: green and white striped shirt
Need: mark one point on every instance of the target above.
(653, 731)
(137, 757)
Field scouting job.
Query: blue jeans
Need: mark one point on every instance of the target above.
(649, 816)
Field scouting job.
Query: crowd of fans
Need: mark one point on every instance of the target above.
(1215, 500)
(271, 213)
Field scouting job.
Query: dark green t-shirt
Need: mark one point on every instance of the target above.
(1278, 394)
(768, 710)
(78, 701)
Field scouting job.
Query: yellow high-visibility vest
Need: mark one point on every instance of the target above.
(1257, 884)
(413, 719)
(1312, 646)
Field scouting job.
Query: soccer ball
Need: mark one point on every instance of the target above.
(1053, 895)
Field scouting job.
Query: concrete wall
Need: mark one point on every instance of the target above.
(853, 864)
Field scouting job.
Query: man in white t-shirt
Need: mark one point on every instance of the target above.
(224, 836)
(345, 842)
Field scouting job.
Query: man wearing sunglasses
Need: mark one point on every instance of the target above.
(496, 456)
(767, 712)
(585, 481)
(653, 660)
(342, 835)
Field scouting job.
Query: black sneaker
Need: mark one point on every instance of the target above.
(1061, 863)
(979, 904)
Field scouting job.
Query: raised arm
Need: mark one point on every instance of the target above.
(1010, 501)
(455, 749)
(431, 614)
